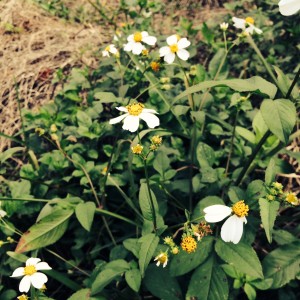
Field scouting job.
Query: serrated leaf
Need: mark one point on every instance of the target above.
(83, 119)
(133, 246)
(283, 237)
(161, 163)
(145, 202)
(106, 97)
(46, 232)
(148, 243)
(83, 294)
(268, 213)
(133, 279)
(184, 262)
(270, 172)
(205, 155)
(282, 264)
(85, 214)
(280, 117)
(208, 282)
(241, 256)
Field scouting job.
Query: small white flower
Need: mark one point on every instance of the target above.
(289, 7)
(161, 258)
(2, 213)
(31, 274)
(133, 114)
(232, 229)
(135, 42)
(247, 25)
(176, 46)
(224, 26)
(110, 49)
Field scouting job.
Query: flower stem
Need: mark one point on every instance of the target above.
(293, 84)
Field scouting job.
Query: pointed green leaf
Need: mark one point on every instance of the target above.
(241, 256)
(161, 163)
(45, 232)
(84, 294)
(145, 202)
(283, 237)
(250, 291)
(205, 155)
(208, 282)
(268, 213)
(133, 279)
(85, 214)
(270, 172)
(280, 117)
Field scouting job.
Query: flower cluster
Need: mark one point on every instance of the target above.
(276, 193)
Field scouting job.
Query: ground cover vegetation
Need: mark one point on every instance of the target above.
(162, 173)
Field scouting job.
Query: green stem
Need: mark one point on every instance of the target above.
(293, 84)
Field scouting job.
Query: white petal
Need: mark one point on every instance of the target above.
(131, 123)
(165, 263)
(183, 54)
(130, 38)
(144, 34)
(158, 263)
(128, 46)
(289, 7)
(2, 213)
(122, 108)
(137, 48)
(18, 272)
(232, 229)
(239, 23)
(32, 261)
(169, 58)
(183, 43)
(105, 53)
(249, 29)
(38, 280)
(148, 110)
(150, 40)
(24, 285)
(164, 51)
(216, 213)
(118, 119)
(257, 30)
(113, 49)
(151, 120)
(42, 266)
(171, 40)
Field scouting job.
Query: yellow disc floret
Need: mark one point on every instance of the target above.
(240, 209)
(155, 66)
(135, 109)
(29, 270)
(137, 37)
(292, 198)
(107, 48)
(174, 48)
(188, 244)
(249, 20)
(23, 297)
(137, 149)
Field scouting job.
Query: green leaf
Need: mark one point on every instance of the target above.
(159, 282)
(283, 237)
(45, 232)
(161, 163)
(250, 291)
(253, 84)
(5, 155)
(245, 134)
(83, 119)
(268, 213)
(282, 264)
(148, 243)
(215, 62)
(133, 246)
(205, 155)
(106, 97)
(85, 214)
(280, 117)
(209, 175)
(270, 172)
(133, 279)
(241, 256)
(208, 282)
(84, 294)
(145, 204)
(184, 262)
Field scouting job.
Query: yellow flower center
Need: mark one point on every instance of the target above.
(155, 66)
(188, 244)
(107, 49)
(249, 20)
(137, 149)
(240, 209)
(137, 37)
(175, 250)
(156, 139)
(135, 109)
(22, 297)
(29, 270)
(174, 48)
(162, 258)
(145, 52)
(291, 198)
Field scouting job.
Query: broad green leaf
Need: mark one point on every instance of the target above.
(250, 291)
(241, 256)
(9, 153)
(245, 134)
(208, 282)
(148, 243)
(161, 163)
(255, 190)
(159, 282)
(85, 214)
(262, 284)
(259, 126)
(180, 110)
(184, 262)
(107, 97)
(280, 117)
(209, 175)
(253, 84)
(84, 294)
(17, 256)
(133, 279)
(205, 155)
(268, 213)
(83, 119)
(45, 232)
(283, 237)
(236, 194)
(145, 202)
(270, 172)
(133, 246)
(282, 264)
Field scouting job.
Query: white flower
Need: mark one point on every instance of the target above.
(246, 24)
(31, 274)
(289, 7)
(176, 46)
(134, 42)
(2, 213)
(110, 49)
(224, 26)
(161, 258)
(232, 229)
(135, 112)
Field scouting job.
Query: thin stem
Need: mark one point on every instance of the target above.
(145, 90)
(293, 84)
(225, 40)
(20, 112)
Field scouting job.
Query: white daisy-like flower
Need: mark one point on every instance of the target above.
(224, 26)
(31, 274)
(232, 229)
(289, 7)
(109, 49)
(247, 25)
(176, 45)
(135, 40)
(2, 213)
(161, 258)
(133, 113)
